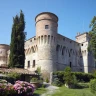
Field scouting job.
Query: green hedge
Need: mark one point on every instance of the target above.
(93, 86)
(80, 76)
(59, 75)
(85, 77)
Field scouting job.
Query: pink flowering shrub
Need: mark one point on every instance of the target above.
(6, 90)
(20, 88)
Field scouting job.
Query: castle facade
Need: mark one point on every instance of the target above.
(51, 51)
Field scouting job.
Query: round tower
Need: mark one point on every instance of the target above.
(3, 54)
(46, 34)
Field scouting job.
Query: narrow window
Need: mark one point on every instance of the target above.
(28, 64)
(33, 63)
(69, 55)
(46, 26)
(70, 64)
(48, 39)
(62, 52)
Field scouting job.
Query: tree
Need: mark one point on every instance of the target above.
(92, 34)
(17, 55)
(68, 76)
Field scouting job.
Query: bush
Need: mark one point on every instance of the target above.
(20, 88)
(60, 76)
(23, 88)
(34, 80)
(93, 86)
(83, 77)
(56, 82)
(14, 75)
(47, 80)
(80, 76)
(68, 76)
(6, 90)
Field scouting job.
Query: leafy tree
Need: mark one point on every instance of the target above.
(17, 55)
(92, 34)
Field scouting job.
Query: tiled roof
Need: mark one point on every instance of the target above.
(17, 70)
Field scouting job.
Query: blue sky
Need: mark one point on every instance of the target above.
(74, 15)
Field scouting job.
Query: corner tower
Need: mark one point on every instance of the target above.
(46, 34)
(3, 55)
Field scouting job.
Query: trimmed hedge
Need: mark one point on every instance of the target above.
(83, 77)
(80, 76)
(93, 86)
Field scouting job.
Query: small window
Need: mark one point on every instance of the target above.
(62, 52)
(33, 63)
(69, 55)
(70, 64)
(30, 40)
(80, 69)
(82, 44)
(28, 64)
(46, 26)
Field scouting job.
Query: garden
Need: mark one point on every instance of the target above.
(69, 84)
(74, 83)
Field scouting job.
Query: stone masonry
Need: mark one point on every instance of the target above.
(51, 51)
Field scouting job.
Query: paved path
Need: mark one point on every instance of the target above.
(51, 89)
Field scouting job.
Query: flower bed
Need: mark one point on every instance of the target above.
(20, 88)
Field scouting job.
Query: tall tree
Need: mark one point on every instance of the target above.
(17, 55)
(92, 34)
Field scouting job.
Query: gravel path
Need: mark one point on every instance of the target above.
(51, 89)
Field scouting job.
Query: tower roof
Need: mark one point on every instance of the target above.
(46, 13)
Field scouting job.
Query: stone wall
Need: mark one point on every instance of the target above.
(3, 54)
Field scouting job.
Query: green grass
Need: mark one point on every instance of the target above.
(39, 91)
(63, 91)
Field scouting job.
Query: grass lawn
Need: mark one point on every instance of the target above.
(63, 91)
(39, 91)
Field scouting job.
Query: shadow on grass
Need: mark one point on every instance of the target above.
(81, 86)
(35, 94)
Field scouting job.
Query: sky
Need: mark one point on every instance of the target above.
(74, 16)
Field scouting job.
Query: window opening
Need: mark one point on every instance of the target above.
(46, 26)
(70, 64)
(28, 64)
(33, 63)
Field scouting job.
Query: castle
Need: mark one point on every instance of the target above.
(51, 51)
